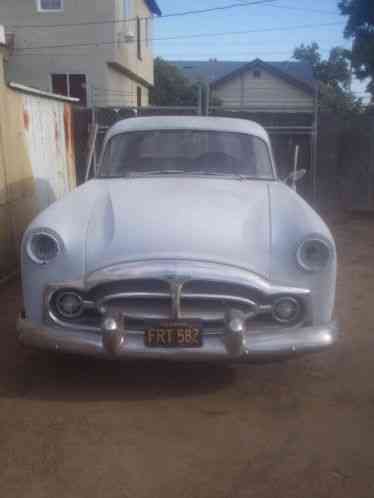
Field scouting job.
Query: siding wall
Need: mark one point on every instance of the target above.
(126, 53)
(34, 67)
(36, 163)
(121, 91)
(267, 91)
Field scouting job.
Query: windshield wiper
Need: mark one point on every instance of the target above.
(210, 173)
(158, 172)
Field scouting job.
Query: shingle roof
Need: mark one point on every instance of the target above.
(153, 7)
(213, 71)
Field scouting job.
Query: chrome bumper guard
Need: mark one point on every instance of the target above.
(248, 346)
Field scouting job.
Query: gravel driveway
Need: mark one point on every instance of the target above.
(74, 427)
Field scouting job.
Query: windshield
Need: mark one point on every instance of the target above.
(186, 151)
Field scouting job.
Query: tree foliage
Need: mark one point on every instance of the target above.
(171, 88)
(333, 74)
(360, 27)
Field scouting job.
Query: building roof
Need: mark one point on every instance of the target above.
(215, 71)
(189, 123)
(153, 7)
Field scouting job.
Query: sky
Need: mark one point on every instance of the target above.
(326, 29)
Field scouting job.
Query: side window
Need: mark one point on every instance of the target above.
(78, 88)
(139, 95)
(60, 84)
(50, 5)
(71, 85)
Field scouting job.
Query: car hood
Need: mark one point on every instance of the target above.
(205, 219)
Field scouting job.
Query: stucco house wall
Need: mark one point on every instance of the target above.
(107, 44)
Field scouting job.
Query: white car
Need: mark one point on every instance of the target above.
(186, 246)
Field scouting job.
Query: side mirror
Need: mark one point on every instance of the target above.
(295, 176)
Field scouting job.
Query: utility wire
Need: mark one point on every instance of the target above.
(175, 55)
(269, 3)
(179, 37)
(305, 9)
(163, 16)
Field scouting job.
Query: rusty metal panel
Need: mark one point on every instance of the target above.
(47, 128)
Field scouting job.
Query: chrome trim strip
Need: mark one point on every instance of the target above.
(69, 326)
(186, 271)
(132, 295)
(220, 297)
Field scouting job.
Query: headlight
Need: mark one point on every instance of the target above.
(43, 246)
(314, 254)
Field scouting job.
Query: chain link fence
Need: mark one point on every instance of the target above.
(344, 176)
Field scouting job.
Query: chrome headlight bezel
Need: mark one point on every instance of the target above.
(297, 311)
(316, 243)
(58, 303)
(54, 238)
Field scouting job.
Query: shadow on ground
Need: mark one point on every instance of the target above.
(52, 377)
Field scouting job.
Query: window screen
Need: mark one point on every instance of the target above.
(50, 5)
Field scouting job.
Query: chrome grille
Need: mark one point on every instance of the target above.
(138, 299)
(156, 299)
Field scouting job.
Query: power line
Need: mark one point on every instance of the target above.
(179, 37)
(163, 16)
(249, 52)
(303, 9)
(190, 57)
(269, 3)
(265, 30)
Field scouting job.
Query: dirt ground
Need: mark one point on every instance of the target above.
(305, 428)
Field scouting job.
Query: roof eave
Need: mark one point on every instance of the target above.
(309, 88)
(120, 68)
(153, 7)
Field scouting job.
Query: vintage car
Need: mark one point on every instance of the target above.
(186, 246)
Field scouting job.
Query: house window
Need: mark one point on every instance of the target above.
(257, 74)
(71, 85)
(127, 9)
(50, 5)
(139, 96)
(139, 37)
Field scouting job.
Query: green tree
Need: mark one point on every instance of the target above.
(333, 75)
(171, 88)
(360, 27)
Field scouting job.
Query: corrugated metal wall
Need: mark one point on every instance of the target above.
(45, 135)
(37, 163)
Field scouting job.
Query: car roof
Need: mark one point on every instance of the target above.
(189, 123)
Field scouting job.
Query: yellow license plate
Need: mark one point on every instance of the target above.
(173, 336)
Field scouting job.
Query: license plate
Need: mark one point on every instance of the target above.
(174, 336)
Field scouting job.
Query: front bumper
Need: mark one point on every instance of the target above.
(246, 347)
